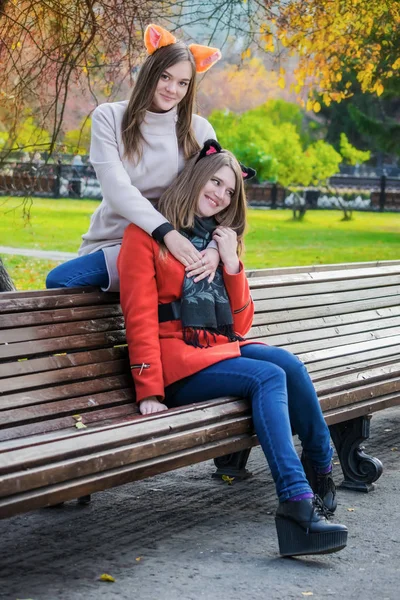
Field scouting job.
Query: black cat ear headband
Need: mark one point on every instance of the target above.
(212, 147)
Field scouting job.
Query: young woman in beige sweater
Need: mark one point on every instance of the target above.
(137, 149)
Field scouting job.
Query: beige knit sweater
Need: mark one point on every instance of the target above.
(129, 188)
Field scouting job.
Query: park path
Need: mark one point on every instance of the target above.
(183, 535)
(44, 254)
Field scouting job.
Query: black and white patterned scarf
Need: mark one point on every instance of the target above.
(205, 307)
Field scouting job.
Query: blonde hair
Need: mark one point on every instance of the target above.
(179, 202)
(143, 94)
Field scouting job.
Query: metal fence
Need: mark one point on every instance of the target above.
(79, 181)
(51, 180)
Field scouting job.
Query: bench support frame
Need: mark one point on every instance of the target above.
(359, 469)
(233, 465)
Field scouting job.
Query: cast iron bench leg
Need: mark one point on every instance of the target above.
(359, 469)
(232, 465)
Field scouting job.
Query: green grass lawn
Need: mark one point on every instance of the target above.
(273, 238)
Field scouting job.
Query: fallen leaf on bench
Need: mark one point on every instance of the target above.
(107, 577)
(227, 479)
(80, 425)
(351, 509)
(20, 360)
(77, 417)
(60, 354)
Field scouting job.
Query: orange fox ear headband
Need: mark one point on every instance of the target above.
(156, 37)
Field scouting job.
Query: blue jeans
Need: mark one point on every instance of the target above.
(90, 269)
(282, 396)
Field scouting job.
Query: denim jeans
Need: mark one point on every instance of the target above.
(282, 397)
(90, 269)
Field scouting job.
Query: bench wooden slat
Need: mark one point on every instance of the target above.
(326, 333)
(61, 408)
(10, 304)
(349, 349)
(90, 419)
(60, 376)
(137, 430)
(356, 358)
(295, 314)
(71, 390)
(359, 409)
(91, 484)
(72, 342)
(101, 461)
(62, 330)
(62, 315)
(223, 405)
(339, 340)
(323, 322)
(365, 392)
(324, 299)
(322, 276)
(257, 273)
(354, 367)
(267, 292)
(61, 361)
(351, 380)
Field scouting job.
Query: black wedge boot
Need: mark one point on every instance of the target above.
(303, 528)
(321, 484)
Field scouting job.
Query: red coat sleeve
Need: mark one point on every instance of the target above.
(139, 302)
(240, 299)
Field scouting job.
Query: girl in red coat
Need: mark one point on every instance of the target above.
(186, 344)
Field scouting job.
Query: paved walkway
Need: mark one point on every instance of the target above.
(45, 254)
(184, 535)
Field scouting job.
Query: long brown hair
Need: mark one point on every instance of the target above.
(143, 94)
(179, 202)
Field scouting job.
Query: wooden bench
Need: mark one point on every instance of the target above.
(69, 425)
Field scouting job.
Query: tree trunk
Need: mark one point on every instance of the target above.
(6, 284)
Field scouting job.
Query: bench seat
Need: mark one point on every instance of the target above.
(69, 425)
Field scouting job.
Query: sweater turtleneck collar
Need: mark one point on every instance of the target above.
(160, 123)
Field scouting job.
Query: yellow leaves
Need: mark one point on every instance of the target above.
(396, 64)
(379, 89)
(227, 479)
(246, 53)
(316, 107)
(327, 99)
(79, 424)
(84, 70)
(281, 82)
(107, 577)
(269, 43)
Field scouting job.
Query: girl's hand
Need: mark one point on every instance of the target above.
(151, 405)
(226, 239)
(205, 267)
(181, 248)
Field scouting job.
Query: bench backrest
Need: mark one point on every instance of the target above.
(63, 352)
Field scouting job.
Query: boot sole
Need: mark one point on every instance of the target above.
(294, 541)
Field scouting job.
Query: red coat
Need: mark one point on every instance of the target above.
(157, 352)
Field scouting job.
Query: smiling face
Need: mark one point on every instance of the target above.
(172, 86)
(217, 193)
